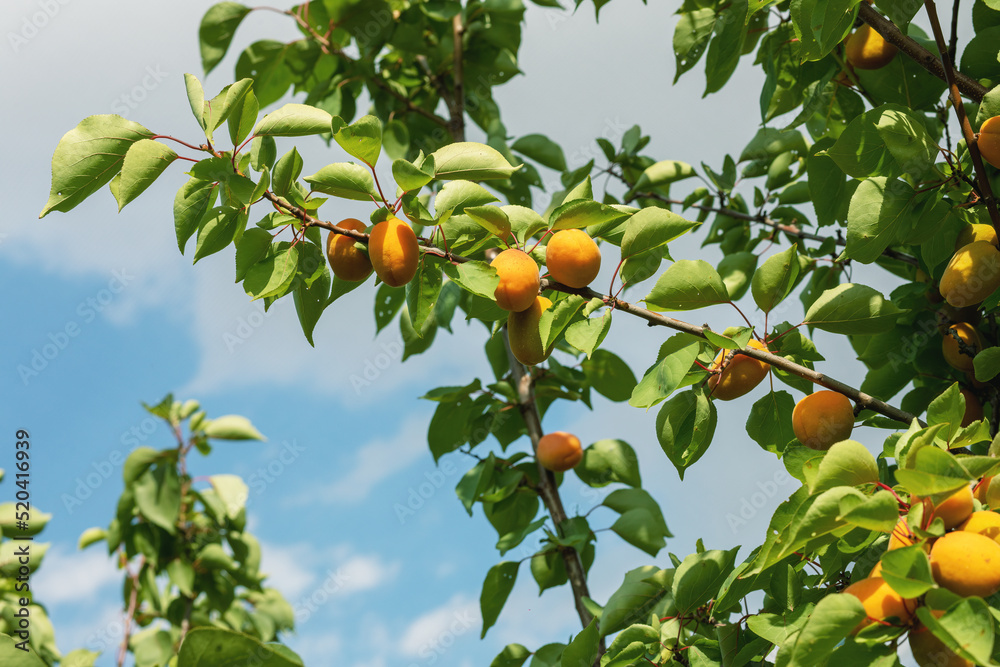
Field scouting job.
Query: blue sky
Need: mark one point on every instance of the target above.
(128, 319)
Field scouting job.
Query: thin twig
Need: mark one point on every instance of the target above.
(985, 190)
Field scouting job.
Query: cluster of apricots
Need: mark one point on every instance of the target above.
(559, 451)
(965, 560)
(572, 258)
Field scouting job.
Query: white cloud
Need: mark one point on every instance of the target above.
(75, 577)
(433, 632)
(373, 462)
(308, 577)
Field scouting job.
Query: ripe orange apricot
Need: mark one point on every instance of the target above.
(953, 510)
(989, 141)
(522, 332)
(738, 375)
(573, 258)
(823, 418)
(559, 451)
(394, 251)
(983, 523)
(973, 408)
(977, 231)
(901, 536)
(929, 651)
(867, 49)
(972, 274)
(518, 280)
(880, 601)
(347, 261)
(988, 493)
(966, 563)
(953, 351)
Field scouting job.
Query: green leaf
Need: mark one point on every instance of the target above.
(736, 271)
(144, 162)
(512, 655)
(549, 570)
(636, 526)
(908, 571)
(607, 462)
(91, 536)
(652, 228)
(470, 161)
(852, 309)
(475, 276)
(878, 217)
(542, 150)
(346, 180)
(776, 277)
(191, 203)
(581, 213)
(583, 649)
(456, 195)
(688, 285)
(833, 619)
(215, 647)
(294, 120)
(662, 173)
(967, 629)
(628, 604)
(231, 427)
(934, 471)
(677, 354)
(220, 107)
(362, 139)
(408, 176)
(252, 248)
(769, 143)
(16, 657)
(422, 292)
(726, 46)
(87, 157)
(685, 426)
(847, 463)
(216, 31)
(770, 421)
(311, 301)
(217, 230)
(691, 38)
(887, 141)
(496, 588)
(987, 364)
(555, 320)
(242, 117)
(158, 496)
(609, 375)
(138, 462)
(586, 335)
(699, 577)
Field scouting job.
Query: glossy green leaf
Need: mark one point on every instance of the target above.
(192, 202)
(294, 120)
(852, 309)
(144, 162)
(232, 427)
(362, 139)
(497, 586)
(470, 161)
(542, 150)
(688, 285)
(216, 31)
(685, 426)
(775, 278)
(158, 496)
(346, 180)
(215, 647)
(699, 576)
(770, 421)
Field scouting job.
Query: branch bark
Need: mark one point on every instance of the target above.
(930, 62)
(985, 190)
(547, 489)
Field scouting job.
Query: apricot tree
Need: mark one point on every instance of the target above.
(868, 154)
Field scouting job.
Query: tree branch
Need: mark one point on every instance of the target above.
(883, 26)
(865, 401)
(985, 190)
(547, 489)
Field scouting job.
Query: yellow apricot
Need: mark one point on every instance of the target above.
(929, 651)
(573, 258)
(972, 274)
(823, 418)
(983, 523)
(989, 141)
(952, 350)
(973, 408)
(518, 280)
(394, 251)
(880, 601)
(738, 375)
(876, 571)
(347, 261)
(867, 49)
(901, 536)
(522, 331)
(976, 232)
(953, 510)
(988, 493)
(559, 451)
(966, 564)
